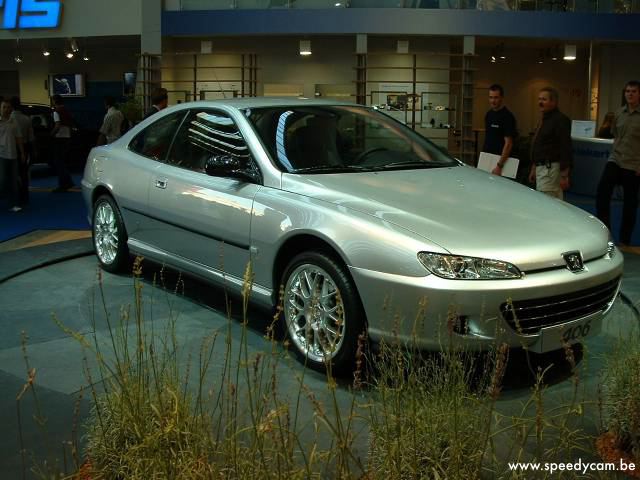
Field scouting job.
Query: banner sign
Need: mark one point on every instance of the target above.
(30, 14)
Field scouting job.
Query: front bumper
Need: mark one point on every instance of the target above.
(428, 311)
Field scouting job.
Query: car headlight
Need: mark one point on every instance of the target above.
(467, 268)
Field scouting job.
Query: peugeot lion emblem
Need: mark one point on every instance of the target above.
(574, 261)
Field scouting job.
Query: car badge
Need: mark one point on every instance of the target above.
(574, 261)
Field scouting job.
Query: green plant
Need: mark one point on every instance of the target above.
(132, 109)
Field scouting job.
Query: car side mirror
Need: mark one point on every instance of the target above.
(229, 166)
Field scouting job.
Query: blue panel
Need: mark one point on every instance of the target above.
(41, 14)
(397, 21)
(10, 14)
(28, 14)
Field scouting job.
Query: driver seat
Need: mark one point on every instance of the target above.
(315, 143)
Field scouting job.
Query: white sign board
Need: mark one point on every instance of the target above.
(488, 162)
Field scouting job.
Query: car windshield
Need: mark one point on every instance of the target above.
(332, 139)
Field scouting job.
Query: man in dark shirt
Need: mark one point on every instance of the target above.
(500, 128)
(551, 149)
(159, 101)
(623, 166)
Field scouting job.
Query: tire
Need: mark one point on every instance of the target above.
(109, 235)
(317, 328)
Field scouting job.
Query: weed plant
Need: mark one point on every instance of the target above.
(622, 395)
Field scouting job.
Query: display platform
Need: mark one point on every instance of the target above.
(62, 279)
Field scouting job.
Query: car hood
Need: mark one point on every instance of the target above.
(466, 212)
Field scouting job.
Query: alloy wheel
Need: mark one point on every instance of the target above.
(314, 312)
(106, 235)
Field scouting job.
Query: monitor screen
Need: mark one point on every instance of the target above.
(128, 83)
(67, 84)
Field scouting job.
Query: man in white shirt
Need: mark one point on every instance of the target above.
(61, 134)
(11, 152)
(25, 128)
(111, 128)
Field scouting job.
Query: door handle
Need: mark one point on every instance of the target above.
(161, 183)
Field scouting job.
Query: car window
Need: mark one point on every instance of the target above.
(155, 140)
(41, 121)
(205, 134)
(342, 138)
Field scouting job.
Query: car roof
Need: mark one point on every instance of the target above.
(262, 102)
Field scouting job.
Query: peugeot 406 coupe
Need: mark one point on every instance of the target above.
(355, 222)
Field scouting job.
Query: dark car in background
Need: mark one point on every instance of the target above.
(82, 139)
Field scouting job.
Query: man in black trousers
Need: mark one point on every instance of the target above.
(623, 167)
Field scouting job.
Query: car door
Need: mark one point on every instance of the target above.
(200, 218)
(132, 176)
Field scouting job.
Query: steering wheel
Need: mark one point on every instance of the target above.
(365, 153)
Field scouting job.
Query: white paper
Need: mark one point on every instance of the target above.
(488, 162)
(583, 128)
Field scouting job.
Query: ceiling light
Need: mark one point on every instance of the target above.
(85, 57)
(46, 52)
(17, 58)
(305, 47)
(493, 59)
(69, 55)
(569, 52)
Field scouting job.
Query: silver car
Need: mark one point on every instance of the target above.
(355, 223)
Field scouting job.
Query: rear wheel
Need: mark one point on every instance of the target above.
(109, 235)
(322, 313)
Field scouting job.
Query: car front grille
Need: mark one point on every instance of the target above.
(529, 316)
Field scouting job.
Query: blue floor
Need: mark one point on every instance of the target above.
(46, 210)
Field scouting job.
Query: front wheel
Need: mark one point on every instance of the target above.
(109, 235)
(322, 313)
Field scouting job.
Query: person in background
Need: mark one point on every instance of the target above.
(500, 128)
(61, 134)
(11, 154)
(159, 100)
(111, 128)
(623, 167)
(607, 123)
(551, 148)
(25, 128)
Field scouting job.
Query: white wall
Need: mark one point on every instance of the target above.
(90, 18)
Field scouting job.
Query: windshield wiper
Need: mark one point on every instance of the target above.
(330, 169)
(399, 165)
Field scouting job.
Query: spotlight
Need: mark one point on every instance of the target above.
(569, 52)
(85, 57)
(493, 59)
(46, 52)
(18, 56)
(305, 47)
(69, 55)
